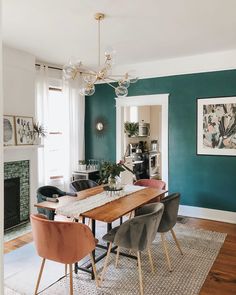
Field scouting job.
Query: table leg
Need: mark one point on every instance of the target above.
(76, 263)
(121, 220)
(93, 252)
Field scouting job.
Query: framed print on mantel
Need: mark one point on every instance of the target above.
(8, 131)
(24, 130)
(216, 126)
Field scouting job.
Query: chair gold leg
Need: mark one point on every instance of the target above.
(71, 280)
(105, 263)
(65, 269)
(150, 259)
(176, 241)
(94, 270)
(39, 276)
(166, 251)
(140, 273)
(117, 256)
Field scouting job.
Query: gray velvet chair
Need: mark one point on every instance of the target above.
(168, 221)
(136, 234)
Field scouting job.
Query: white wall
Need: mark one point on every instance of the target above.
(19, 99)
(1, 165)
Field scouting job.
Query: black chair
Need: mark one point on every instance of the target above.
(136, 234)
(82, 184)
(48, 191)
(168, 221)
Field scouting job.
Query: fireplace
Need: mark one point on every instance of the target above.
(11, 202)
(16, 193)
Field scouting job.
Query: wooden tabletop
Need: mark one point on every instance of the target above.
(110, 211)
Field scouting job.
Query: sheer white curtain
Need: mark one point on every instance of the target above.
(42, 86)
(66, 115)
(76, 122)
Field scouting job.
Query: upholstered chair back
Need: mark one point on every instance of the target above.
(139, 232)
(82, 184)
(64, 242)
(171, 207)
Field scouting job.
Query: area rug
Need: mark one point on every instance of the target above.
(200, 250)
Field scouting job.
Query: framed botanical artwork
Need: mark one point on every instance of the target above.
(8, 130)
(216, 126)
(24, 130)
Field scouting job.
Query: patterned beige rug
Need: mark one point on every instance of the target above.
(200, 249)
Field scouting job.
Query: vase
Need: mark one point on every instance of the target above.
(114, 182)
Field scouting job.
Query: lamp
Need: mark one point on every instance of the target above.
(103, 73)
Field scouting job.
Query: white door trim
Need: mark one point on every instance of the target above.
(155, 99)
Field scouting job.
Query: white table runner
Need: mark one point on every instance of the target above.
(76, 208)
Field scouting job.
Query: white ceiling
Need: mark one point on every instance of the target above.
(139, 30)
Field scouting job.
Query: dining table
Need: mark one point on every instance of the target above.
(113, 210)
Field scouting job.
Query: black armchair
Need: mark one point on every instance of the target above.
(82, 184)
(48, 191)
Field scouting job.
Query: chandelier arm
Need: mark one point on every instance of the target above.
(99, 43)
(108, 83)
(109, 77)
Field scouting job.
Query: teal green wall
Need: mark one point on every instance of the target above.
(203, 181)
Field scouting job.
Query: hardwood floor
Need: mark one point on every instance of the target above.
(221, 279)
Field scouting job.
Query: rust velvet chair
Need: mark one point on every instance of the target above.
(64, 242)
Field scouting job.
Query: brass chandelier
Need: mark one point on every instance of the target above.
(103, 73)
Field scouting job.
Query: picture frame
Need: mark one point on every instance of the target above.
(216, 126)
(9, 133)
(24, 130)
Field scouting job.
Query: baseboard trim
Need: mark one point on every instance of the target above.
(205, 213)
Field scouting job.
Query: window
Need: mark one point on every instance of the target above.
(56, 145)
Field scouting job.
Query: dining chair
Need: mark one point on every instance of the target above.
(136, 234)
(63, 242)
(157, 183)
(82, 184)
(168, 221)
(48, 191)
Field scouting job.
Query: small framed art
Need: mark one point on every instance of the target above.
(216, 126)
(8, 131)
(24, 130)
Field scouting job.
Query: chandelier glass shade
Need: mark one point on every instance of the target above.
(103, 73)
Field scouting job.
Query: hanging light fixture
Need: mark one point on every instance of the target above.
(103, 73)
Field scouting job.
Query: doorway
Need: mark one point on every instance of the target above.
(146, 100)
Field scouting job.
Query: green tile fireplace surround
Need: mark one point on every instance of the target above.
(203, 181)
(20, 169)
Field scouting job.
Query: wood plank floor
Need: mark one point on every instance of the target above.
(221, 279)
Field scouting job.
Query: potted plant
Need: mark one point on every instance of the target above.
(110, 172)
(131, 128)
(38, 132)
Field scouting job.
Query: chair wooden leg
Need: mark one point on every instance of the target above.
(166, 251)
(40, 275)
(105, 263)
(90, 222)
(65, 269)
(117, 256)
(131, 214)
(176, 241)
(140, 273)
(94, 269)
(150, 259)
(71, 280)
